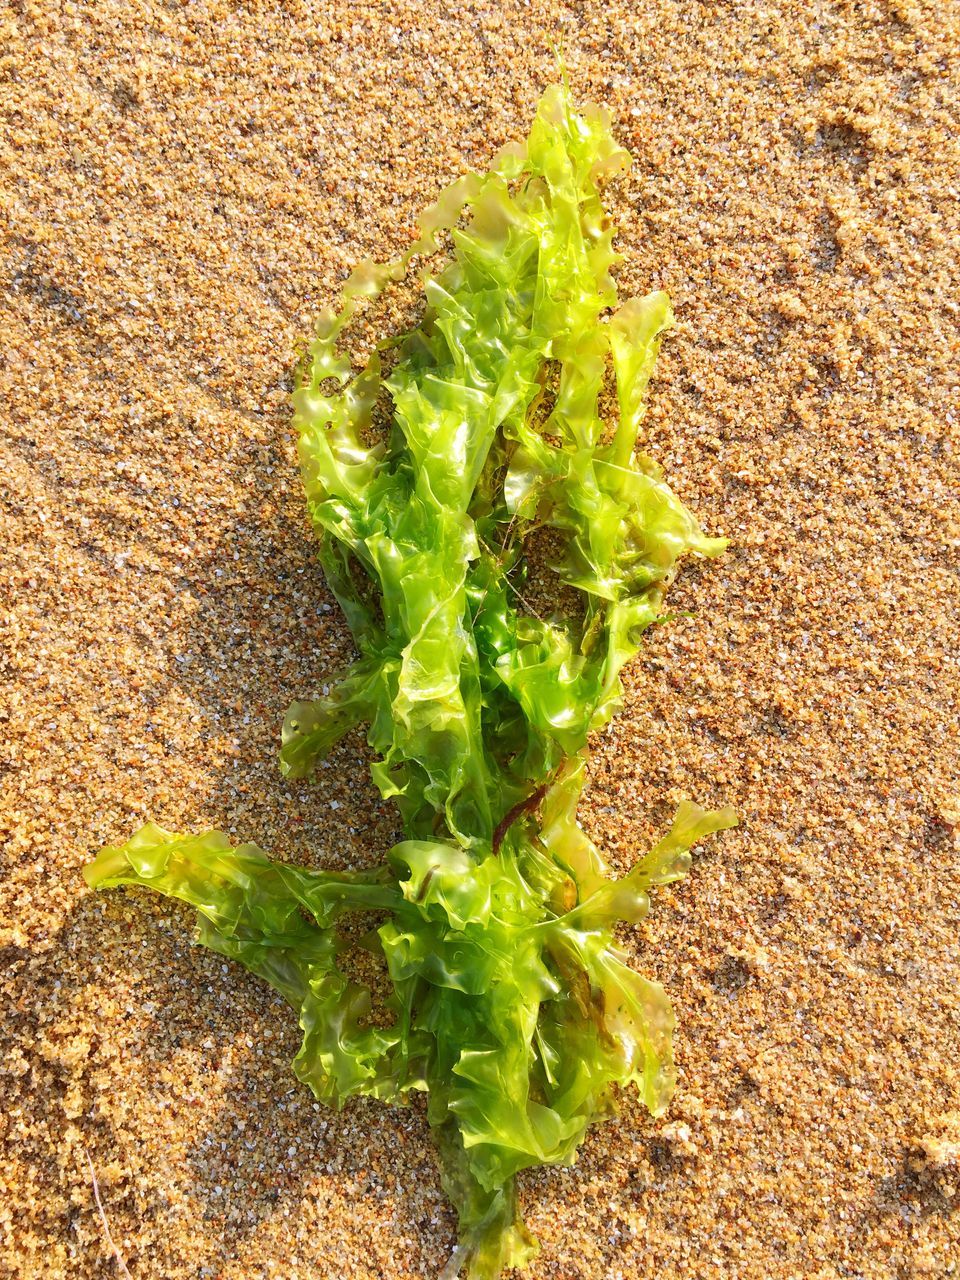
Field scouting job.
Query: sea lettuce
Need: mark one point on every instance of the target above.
(511, 1005)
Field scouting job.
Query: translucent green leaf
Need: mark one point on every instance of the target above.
(494, 917)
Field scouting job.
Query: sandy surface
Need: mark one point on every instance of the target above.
(182, 187)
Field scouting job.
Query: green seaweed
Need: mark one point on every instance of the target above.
(511, 1005)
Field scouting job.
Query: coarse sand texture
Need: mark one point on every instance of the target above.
(184, 188)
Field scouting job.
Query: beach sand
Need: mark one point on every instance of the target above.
(183, 189)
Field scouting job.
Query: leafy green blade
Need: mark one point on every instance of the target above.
(511, 1005)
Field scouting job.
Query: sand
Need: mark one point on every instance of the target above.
(183, 188)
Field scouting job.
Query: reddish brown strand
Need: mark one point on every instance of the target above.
(510, 817)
